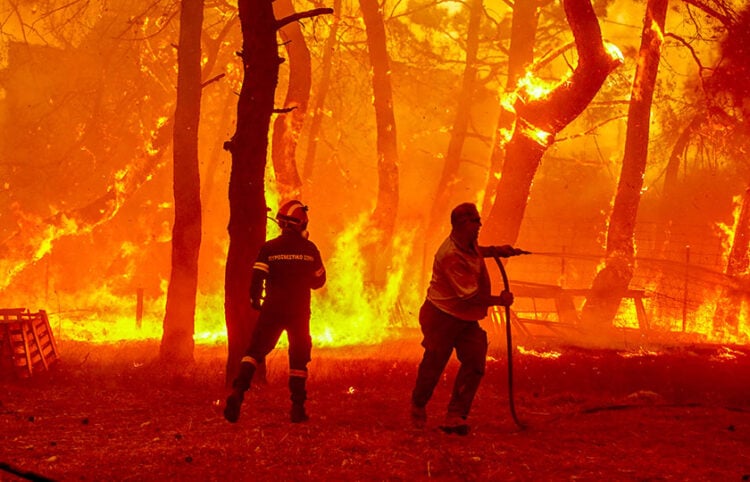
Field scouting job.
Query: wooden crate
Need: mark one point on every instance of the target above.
(27, 345)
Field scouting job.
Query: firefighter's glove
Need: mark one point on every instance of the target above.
(256, 304)
(506, 251)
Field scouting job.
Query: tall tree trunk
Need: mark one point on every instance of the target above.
(601, 306)
(320, 98)
(738, 262)
(538, 120)
(287, 126)
(520, 56)
(179, 319)
(449, 176)
(384, 216)
(249, 148)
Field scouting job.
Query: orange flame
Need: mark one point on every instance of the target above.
(348, 311)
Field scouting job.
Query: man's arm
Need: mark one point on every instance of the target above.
(504, 251)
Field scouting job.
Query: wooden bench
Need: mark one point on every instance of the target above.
(635, 295)
(547, 310)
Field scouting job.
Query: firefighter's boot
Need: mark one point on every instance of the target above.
(240, 385)
(298, 396)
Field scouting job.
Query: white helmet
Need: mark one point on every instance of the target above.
(293, 214)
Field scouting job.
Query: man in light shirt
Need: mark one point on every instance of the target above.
(457, 298)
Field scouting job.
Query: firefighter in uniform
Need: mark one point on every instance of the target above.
(457, 298)
(287, 268)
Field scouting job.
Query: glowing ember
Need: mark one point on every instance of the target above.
(551, 354)
(533, 87)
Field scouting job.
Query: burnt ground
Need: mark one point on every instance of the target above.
(107, 412)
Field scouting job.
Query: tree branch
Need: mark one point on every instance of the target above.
(563, 103)
(300, 15)
(212, 80)
(592, 128)
(725, 18)
(685, 43)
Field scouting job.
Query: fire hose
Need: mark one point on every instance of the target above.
(23, 474)
(509, 341)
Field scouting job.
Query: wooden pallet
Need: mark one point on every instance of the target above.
(27, 345)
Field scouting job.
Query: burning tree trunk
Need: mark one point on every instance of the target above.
(727, 317)
(538, 120)
(325, 78)
(287, 127)
(520, 56)
(449, 176)
(179, 318)
(249, 148)
(601, 306)
(384, 216)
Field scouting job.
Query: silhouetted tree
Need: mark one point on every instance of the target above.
(248, 146)
(384, 215)
(179, 318)
(249, 149)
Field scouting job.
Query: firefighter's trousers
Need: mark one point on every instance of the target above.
(265, 336)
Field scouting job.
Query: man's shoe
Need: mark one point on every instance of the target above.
(418, 416)
(232, 408)
(455, 424)
(298, 415)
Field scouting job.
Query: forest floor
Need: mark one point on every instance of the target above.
(108, 412)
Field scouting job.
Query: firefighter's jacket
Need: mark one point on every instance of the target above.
(288, 267)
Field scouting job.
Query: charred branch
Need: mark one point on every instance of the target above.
(213, 79)
(213, 45)
(726, 17)
(300, 15)
(694, 54)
